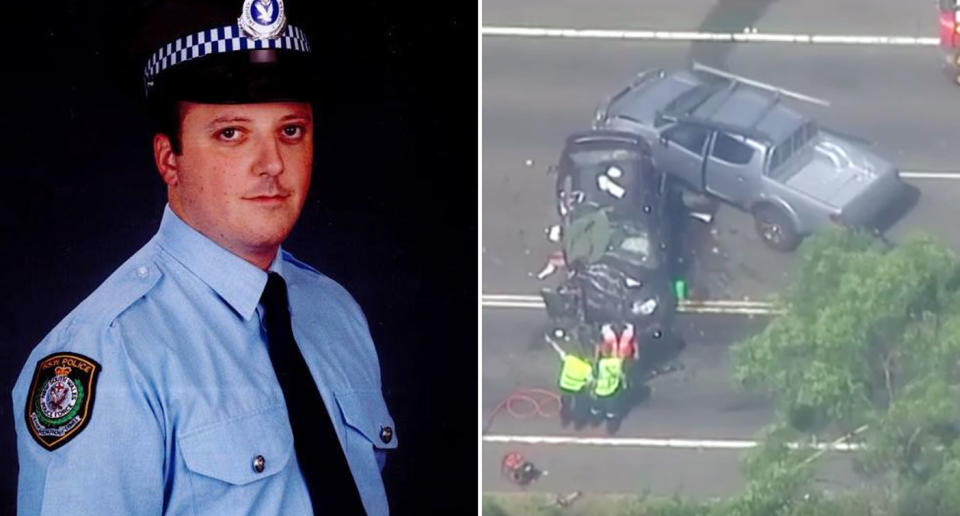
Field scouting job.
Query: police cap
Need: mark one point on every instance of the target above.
(225, 52)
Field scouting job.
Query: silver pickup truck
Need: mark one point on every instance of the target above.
(732, 138)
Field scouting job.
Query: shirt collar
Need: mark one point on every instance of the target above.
(234, 279)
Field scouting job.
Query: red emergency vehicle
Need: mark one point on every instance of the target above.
(949, 35)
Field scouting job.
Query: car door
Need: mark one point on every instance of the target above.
(733, 168)
(671, 213)
(680, 152)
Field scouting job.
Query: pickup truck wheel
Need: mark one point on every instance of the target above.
(776, 229)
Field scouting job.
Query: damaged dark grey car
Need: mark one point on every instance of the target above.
(629, 278)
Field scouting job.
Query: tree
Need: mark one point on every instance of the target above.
(869, 342)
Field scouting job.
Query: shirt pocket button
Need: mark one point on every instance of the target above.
(259, 463)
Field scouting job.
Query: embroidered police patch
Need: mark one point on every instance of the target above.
(60, 400)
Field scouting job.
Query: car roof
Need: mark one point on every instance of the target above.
(739, 106)
(641, 100)
(605, 141)
(728, 105)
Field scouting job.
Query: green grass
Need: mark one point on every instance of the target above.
(522, 504)
(539, 504)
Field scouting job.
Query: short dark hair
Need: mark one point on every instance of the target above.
(167, 117)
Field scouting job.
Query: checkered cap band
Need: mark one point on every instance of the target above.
(218, 41)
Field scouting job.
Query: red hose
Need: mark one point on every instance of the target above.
(536, 399)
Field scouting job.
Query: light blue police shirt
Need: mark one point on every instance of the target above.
(187, 397)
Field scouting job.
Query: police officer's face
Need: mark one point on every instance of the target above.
(243, 173)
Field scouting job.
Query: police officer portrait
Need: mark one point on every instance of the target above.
(232, 264)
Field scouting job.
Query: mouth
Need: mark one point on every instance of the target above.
(267, 199)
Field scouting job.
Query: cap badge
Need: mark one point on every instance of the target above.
(263, 19)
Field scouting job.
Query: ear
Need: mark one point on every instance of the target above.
(165, 159)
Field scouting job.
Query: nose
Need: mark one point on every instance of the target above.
(269, 160)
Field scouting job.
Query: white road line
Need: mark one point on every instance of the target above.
(511, 304)
(734, 37)
(517, 297)
(929, 175)
(726, 302)
(681, 308)
(646, 442)
(724, 307)
(528, 298)
(686, 309)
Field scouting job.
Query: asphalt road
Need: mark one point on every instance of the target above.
(683, 405)
(537, 91)
(700, 474)
(696, 403)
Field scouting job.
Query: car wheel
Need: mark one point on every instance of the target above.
(776, 229)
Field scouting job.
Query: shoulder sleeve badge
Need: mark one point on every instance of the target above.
(60, 400)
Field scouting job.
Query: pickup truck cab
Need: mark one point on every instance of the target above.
(735, 140)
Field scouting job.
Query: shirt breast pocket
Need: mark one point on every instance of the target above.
(239, 462)
(370, 430)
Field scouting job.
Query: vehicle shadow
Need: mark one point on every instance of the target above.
(695, 239)
(896, 211)
(726, 16)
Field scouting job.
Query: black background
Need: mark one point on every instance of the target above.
(392, 213)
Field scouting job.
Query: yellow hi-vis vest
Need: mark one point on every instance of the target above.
(575, 373)
(608, 376)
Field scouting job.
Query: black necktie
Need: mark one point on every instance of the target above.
(322, 460)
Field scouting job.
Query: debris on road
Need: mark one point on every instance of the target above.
(519, 470)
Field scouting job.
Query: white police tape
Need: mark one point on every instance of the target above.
(730, 37)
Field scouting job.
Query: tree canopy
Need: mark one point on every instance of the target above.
(869, 343)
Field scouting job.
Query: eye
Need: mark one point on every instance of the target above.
(293, 131)
(229, 134)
